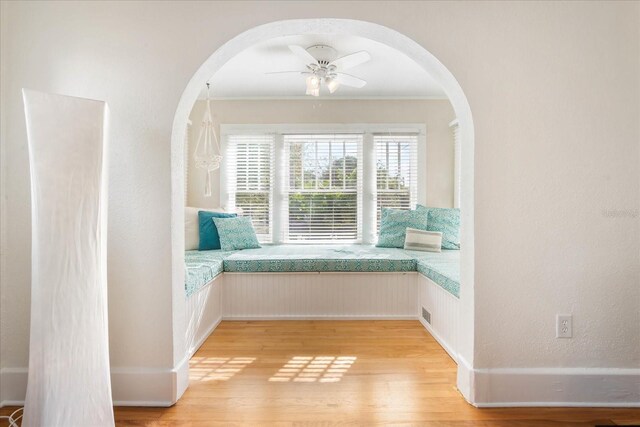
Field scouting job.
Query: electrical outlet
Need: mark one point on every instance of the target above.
(564, 326)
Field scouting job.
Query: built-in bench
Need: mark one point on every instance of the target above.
(442, 268)
(323, 282)
(203, 266)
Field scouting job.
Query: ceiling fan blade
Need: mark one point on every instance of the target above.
(352, 60)
(303, 54)
(287, 72)
(349, 80)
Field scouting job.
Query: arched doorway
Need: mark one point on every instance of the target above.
(327, 26)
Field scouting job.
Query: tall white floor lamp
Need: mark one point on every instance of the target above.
(69, 381)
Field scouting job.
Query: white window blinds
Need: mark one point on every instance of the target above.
(324, 190)
(313, 186)
(396, 171)
(249, 175)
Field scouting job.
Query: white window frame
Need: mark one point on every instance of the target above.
(354, 138)
(187, 157)
(228, 190)
(279, 197)
(413, 191)
(457, 161)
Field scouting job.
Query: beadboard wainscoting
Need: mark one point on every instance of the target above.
(443, 314)
(263, 296)
(204, 313)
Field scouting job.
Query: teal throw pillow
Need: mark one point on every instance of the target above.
(394, 223)
(447, 222)
(236, 233)
(209, 237)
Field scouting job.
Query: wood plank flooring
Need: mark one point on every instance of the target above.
(325, 373)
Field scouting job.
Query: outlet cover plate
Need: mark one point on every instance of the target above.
(564, 326)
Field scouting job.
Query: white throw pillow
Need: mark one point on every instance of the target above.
(421, 240)
(192, 227)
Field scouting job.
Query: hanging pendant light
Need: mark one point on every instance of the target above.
(207, 154)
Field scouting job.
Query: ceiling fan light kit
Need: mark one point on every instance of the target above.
(323, 68)
(332, 84)
(313, 85)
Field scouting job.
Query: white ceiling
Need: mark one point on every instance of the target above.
(389, 74)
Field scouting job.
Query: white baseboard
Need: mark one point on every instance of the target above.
(130, 386)
(181, 378)
(13, 386)
(203, 337)
(559, 405)
(441, 341)
(554, 387)
(484, 388)
(464, 379)
(327, 317)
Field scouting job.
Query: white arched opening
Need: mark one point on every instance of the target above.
(327, 26)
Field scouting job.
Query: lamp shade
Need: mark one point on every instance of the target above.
(313, 85)
(332, 84)
(69, 379)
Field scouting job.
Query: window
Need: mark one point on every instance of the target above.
(249, 174)
(323, 191)
(396, 172)
(320, 183)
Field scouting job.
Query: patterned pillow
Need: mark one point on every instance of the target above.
(421, 240)
(446, 221)
(208, 233)
(236, 233)
(394, 223)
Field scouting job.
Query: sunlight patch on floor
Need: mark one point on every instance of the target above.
(217, 368)
(308, 369)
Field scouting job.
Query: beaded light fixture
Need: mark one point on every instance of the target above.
(207, 154)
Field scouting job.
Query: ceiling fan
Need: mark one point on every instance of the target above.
(323, 67)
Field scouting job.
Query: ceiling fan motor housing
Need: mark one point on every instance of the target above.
(323, 53)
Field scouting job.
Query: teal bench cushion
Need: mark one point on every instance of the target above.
(202, 267)
(299, 258)
(443, 268)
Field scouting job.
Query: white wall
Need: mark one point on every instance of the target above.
(555, 94)
(436, 114)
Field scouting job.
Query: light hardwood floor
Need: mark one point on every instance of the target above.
(325, 373)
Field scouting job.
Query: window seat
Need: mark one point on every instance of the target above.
(319, 258)
(203, 266)
(442, 268)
